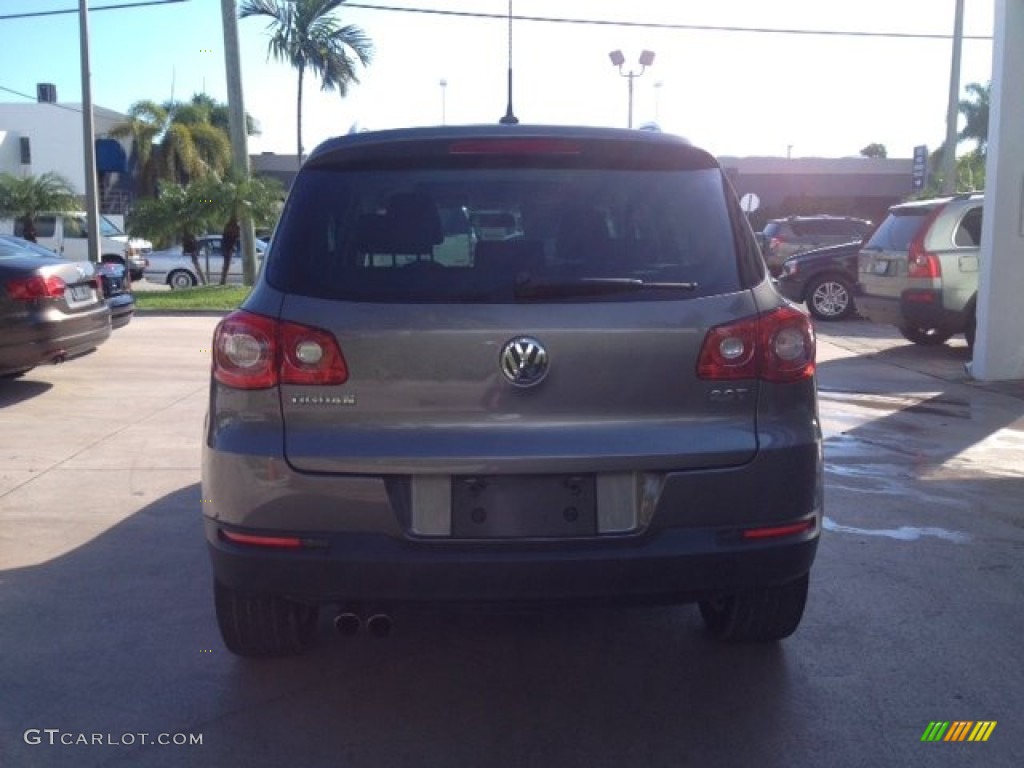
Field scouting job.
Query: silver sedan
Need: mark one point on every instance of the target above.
(174, 268)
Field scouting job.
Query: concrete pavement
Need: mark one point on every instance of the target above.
(108, 623)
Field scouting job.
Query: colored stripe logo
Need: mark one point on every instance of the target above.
(958, 730)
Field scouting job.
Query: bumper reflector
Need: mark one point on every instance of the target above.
(279, 542)
(778, 531)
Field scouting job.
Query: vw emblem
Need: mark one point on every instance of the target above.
(524, 361)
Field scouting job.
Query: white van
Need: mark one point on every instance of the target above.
(67, 234)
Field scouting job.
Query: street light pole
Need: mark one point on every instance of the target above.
(92, 207)
(646, 60)
(444, 88)
(952, 106)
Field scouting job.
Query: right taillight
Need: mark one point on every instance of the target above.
(777, 346)
(256, 352)
(920, 262)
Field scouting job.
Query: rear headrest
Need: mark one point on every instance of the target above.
(411, 224)
(414, 223)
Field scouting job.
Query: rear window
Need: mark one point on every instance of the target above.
(898, 229)
(474, 234)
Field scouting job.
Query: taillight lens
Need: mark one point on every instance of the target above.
(922, 263)
(255, 352)
(36, 287)
(98, 285)
(777, 346)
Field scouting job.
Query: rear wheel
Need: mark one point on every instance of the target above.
(263, 625)
(971, 331)
(926, 337)
(761, 615)
(180, 279)
(829, 298)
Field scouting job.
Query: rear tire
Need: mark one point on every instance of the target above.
(971, 331)
(757, 615)
(829, 298)
(180, 279)
(257, 625)
(926, 337)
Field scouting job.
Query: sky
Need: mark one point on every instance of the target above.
(735, 93)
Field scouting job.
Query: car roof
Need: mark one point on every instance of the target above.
(933, 202)
(421, 139)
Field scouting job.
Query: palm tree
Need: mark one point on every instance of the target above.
(174, 142)
(975, 109)
(25, 197)
(176, 213)
(234, 201)
(306, 35)
(146, 121)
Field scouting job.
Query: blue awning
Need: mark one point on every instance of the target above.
(110, 156)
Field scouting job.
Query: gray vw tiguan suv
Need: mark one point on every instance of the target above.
(613, 402)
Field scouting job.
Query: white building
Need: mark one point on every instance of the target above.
(41, 137)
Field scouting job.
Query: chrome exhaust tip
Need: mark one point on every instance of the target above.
(379, 625)
(347, 624)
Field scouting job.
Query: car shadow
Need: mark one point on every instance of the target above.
(119, 636)
(14, 391)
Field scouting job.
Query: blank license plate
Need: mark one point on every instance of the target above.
(512, 506)
(881, 267)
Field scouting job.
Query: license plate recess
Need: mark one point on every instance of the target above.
(524, 506)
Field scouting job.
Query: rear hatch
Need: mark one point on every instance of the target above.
(571, 347)
(883, 259)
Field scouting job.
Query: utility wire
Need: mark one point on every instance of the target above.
(33, 98)
(32, 14)
(663, 25)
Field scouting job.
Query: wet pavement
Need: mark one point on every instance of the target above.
(914, 615)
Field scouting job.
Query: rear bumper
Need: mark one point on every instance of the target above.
(37, 341)
(916, 308)
(122, 307)
(671, 565)
(358, 546)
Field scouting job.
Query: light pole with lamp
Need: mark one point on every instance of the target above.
(646, 60)
(444, 87)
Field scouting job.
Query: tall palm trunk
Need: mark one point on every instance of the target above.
(298, 118)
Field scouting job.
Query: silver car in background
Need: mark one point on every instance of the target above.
(613, 404)
(174, 268)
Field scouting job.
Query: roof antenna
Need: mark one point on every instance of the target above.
(509, 117)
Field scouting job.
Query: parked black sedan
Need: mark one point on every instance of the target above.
(51, 310)
(824, 279)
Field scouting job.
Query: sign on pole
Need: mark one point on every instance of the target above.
(920, 167)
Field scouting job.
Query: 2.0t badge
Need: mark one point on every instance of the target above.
(524, 361)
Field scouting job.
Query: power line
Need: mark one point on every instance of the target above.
(32, 14)
(33, 98)
(663, 25)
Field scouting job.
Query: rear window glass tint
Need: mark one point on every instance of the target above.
(898, 229)
(407, 235)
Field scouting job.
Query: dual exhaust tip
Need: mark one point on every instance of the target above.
(348, 624)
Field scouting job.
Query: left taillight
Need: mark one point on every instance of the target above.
(35, 287)
(252, 351)
(777, 346)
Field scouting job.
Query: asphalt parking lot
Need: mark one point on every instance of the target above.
(109, 645)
